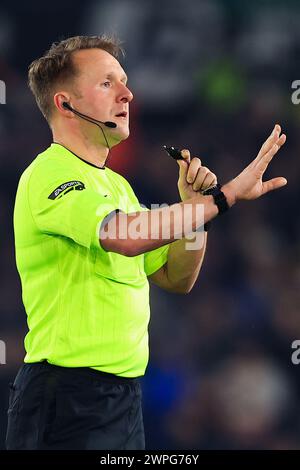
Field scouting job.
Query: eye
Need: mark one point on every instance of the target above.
(106, 84)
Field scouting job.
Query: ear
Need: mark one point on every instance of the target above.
(60, 98)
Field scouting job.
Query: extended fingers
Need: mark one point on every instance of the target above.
(268, 144)
(281, 140)
(268, 156)
(273, 184)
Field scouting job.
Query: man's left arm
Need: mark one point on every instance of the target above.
(181, 271)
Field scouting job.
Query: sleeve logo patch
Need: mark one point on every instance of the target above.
(65, 188)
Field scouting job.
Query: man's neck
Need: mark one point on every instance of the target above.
(95, 153)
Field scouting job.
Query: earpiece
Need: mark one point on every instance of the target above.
(67, 106)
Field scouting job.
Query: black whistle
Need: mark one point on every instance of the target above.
(173, 152)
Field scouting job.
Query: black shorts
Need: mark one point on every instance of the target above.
(53, 407)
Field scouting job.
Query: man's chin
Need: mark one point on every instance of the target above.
(116, 138)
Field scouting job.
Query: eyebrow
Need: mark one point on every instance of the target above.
(112, 75)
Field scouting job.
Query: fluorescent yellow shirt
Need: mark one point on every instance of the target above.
(85, 307)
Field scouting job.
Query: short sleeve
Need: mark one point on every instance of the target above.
(155, 259)
(62, 203)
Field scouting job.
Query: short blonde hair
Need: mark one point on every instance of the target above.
(57, 65)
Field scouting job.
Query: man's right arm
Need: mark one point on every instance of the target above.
(159, 227)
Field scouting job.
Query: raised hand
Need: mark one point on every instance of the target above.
(193, 177)
(248, 184)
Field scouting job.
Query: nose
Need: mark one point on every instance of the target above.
(125, 94)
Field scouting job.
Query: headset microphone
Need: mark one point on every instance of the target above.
(110, 124)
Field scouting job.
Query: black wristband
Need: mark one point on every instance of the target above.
(220, 201)
(219, 198)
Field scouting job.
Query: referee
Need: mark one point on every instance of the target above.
(84, 286)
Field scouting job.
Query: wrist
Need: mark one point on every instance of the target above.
(230, 194)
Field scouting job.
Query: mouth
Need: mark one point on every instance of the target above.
(123, 114)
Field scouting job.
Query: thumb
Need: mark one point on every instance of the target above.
(274, 183)
(183, 168)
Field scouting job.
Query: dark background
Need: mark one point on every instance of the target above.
(214, 77)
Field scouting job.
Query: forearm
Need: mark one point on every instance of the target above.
(183, 265)
(185, 259)
(157, 227)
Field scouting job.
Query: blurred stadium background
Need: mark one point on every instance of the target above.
(212, 76)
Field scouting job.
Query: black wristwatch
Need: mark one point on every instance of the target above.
(220, 201)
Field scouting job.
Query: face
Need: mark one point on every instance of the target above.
(102, 92)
